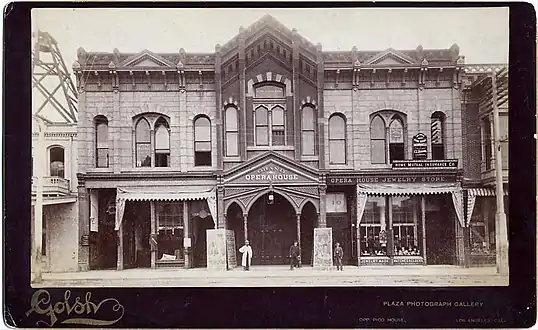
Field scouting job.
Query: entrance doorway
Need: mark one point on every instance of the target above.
(308, 222)
(234, 220)
(440, 230)
(200, 227)
(136, 230)
(272, 228)
(104, 242)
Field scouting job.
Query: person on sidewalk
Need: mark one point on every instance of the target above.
(246, 250)
(295, 255)
(338, 256)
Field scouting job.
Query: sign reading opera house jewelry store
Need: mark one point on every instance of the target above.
(418, 178)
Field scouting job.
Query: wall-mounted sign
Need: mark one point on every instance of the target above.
(94, 226)
(187, 242)
(85, 240)
(336, 203)
(425, 163)
(271, 173)
(415, 178)
(420, 146)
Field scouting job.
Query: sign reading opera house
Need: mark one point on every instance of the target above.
(254, 140)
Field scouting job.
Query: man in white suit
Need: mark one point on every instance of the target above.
(246, 250)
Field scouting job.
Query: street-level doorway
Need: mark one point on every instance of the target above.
(308, 222)
(440, 230)
(272, 229)
(200, 227)
(235, 222)
(104, 239)
(136, 231)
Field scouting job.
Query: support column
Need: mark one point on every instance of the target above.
(245, 225)
(187, 250)
(153, 232)
(322, 219)
(390, 231)
(221, 221)
(459, 244)
(120, 248)
(467, 247)
(423, 215)
(298, 215)
(114, 137)
(83, 227)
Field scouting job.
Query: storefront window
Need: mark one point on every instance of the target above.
(373, 228)
(482, 234)
(405, 225)
(169, 218)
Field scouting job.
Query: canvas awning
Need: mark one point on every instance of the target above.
(165, 194)
(472, 193)
(363, 190)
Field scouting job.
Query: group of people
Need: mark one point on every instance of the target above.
(294, 255)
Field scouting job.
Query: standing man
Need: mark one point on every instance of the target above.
(246, 250)
(295, 255)
(339, 255)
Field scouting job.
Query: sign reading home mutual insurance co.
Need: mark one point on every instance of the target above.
(271, 173)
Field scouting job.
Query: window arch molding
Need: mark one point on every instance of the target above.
(56, 157)
(145, 127)
(388, 136)
(337, 139)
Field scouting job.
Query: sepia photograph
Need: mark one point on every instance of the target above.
(304, 147)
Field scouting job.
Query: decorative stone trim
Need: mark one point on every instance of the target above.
(308, 100)
(231, 102)
(269, 76)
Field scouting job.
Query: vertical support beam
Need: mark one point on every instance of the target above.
(459, 244)
(245, 225)
(120, 247)
(423, 211)
(187, 251)
(415, 225)
(152, 147)
(467, 246)
(153, 231)
(322, 219)
(83, 226)
(221, 221)
(242, 97)
(219, 114)
(390, 230)
(298, 215)
(295, 42)
(501, 227)
(320, 108)
(114, 136)
(133, 142)
(38, 207)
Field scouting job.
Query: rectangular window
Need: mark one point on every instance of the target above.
(231, 144)
(262, 127)
(405, 219)
(102, 157)
(143, 155)
(378, 151)
(396, 151)
(308, 142)
(486, 134)
(373, 237)
(337, 151)
(170, 231)
(278, 133)
(438, 151)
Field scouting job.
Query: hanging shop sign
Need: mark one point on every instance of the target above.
(418, 178)
(420, 146)
(336, 203)
(425, 163)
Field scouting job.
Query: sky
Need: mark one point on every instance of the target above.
(481, 33)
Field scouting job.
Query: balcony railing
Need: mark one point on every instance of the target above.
(52, 186)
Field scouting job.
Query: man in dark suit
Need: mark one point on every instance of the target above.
(295, 255)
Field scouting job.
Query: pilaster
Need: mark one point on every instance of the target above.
(83, 227)
(322, 221)
(320, 112)
(219, 112)
(295, 88)
(221, 222)
(242, 97)
(115, 134)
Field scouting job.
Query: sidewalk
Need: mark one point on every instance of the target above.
(281, 276)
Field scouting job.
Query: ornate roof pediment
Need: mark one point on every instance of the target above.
(271, 168)
(390, 57)
(146, 59)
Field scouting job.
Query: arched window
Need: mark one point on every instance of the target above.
(337, 139)
(308, 132)
(277, 126)
(437, 130)
(143, 143)
(162, 143)
(232, 132)
(202, 141)
(262, 126)
(57, 158)
(396, 139)
(101, 141)
(377, 141)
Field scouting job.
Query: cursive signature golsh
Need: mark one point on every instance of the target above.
(77, 312)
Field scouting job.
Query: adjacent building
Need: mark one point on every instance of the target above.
(271, 136)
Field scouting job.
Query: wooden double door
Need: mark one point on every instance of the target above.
(272, 229)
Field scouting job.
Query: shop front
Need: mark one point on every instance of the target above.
(405, 218)
(272, 202)
(163, 226)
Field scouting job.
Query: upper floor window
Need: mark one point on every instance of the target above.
(308, 132)
(262, 126)
(202, 141)
(162, 143)
(386, 143)
(486, 143)
(232, 132)
(101, 141)
(143, 143)
(437, 131)
(277, 126)
(337, 139)
(57, 158)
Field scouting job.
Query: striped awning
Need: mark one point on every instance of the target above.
(485, 192)
(408, 189)
(164, 194)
